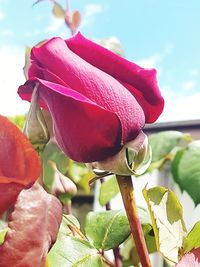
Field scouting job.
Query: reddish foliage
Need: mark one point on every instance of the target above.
(33, 228)
(19, 163)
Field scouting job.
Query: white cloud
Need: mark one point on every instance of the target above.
(11, 64)
(55, 25)
(154, 60)
(2, 15)
(168, 92)
(189, 85)
(151, 61)
(89, 13)
(183, 108)
(92, 9)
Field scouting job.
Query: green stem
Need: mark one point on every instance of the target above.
(127, 192)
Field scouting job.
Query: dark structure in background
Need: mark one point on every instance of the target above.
(192, 127)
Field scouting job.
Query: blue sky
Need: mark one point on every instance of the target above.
(154, 33)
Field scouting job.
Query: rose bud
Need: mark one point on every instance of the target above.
(35, 127)
(62, 186)
(98, 100)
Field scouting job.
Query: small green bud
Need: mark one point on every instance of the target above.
(35, 127)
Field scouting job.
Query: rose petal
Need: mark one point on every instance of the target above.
(141, 82)
(93, 83)
(84, 130)
(19, 163)
(39, 72)
(32, 229)
(45, 74)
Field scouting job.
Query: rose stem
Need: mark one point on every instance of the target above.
(108, 263)
(127, 192)
(116, 254)
(67, 208)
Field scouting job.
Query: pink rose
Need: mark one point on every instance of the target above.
(98, 100)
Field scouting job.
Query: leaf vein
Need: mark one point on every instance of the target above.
(84, 259)
(108, 228)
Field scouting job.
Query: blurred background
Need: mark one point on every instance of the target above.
(153, 33)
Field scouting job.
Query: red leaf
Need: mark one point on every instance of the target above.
(19, 163)
(191, 259)
(75, 19)
(33, 228)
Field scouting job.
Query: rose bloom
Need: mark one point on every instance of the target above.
(98, 100)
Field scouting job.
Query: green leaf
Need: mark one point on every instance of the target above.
(192, 240)
(2, 235)
(167, 221)
(186, 170)
(18, 120)
(3, 230)
(73, 251)
(107, 229)
(108, 190)
(80, 174)
(58, 11)
(164, 142)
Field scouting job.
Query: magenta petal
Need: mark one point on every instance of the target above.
(139, 79)
(42, 73)
(35, 71)
(102, 89)
(85, 131)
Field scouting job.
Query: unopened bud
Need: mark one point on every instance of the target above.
(62, 186)
(133, 159)
(35, 128)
